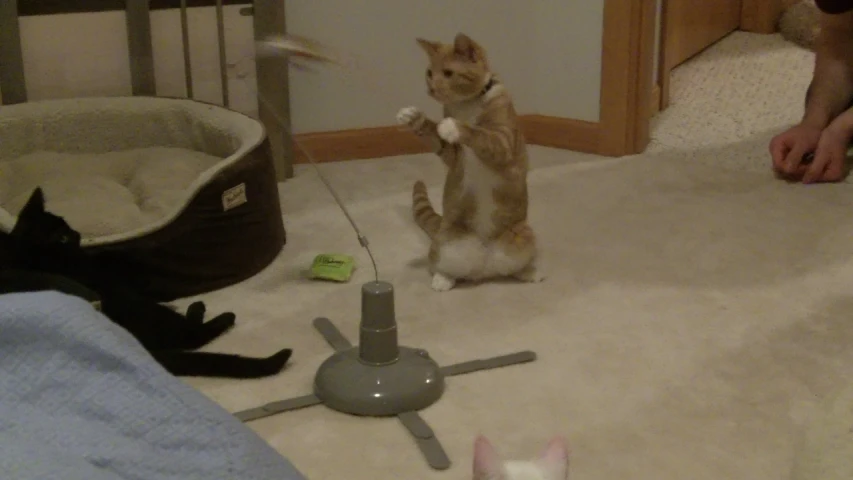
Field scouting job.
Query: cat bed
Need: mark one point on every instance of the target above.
(181, 193)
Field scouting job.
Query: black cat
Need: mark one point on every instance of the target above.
(44, 253)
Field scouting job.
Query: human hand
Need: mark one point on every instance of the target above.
(830, 156)
(789, 147)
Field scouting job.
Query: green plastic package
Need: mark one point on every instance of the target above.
(332, 266)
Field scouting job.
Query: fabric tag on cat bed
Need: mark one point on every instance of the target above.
(331, 266)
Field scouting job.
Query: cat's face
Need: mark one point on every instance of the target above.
(38, 227)
(456, 72)
(552, 463)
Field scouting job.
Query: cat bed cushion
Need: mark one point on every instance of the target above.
(180, 192)
(81, 399)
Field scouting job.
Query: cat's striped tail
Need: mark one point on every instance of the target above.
(425, 215)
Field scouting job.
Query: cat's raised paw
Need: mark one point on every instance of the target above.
(448, 130)
(442, 283)
(410, 116)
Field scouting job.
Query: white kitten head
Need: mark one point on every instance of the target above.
(552, 463)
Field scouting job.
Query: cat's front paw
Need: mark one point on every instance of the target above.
(410, 116)
(448, 130)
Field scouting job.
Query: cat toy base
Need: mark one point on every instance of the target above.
(379, 377)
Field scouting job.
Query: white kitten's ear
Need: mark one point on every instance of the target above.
(487, 462)
(431, 48)
(554, 460)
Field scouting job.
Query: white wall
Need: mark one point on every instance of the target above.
(567, 57)
(547, 51)
(86, 55)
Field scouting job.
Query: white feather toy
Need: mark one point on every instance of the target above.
(297, 49)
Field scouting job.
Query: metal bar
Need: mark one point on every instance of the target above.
(331, 334)
(274, 408)
(55, 7)
(223, 62)
(140, 48)
(185, 37)
(488, 363)
(426, 440)
(12, 82)
(272, 74)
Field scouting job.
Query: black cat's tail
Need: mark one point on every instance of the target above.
(224, 365)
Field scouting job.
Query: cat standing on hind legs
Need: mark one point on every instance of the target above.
(483, 231)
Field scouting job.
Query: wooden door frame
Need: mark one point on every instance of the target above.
(756, 16)
(627, 63)
(625, 106)
(628, 90)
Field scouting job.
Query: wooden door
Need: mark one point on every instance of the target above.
(689, 26)
(693, 25)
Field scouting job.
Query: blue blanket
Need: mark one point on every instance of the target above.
(81, 400)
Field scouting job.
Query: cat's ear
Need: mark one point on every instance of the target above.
(554, 459)
(431, 48)
(35, 204)
(467, 48)
(30, 213)
(487, 462)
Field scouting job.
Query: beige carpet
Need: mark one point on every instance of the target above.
(695, 312)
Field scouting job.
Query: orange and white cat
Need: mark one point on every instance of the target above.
(483, 231)
(551, 464)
